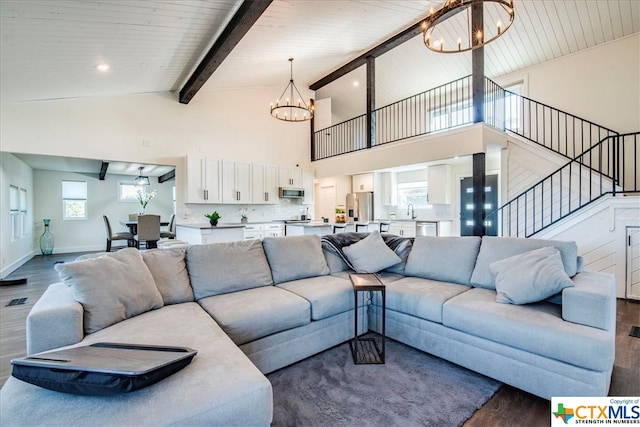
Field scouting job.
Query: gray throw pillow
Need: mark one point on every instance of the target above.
(220, 268)
(111, 288)
(448, 259)
(496, 248)
(295, 257)
(169, 271)
(371, 254)
(530, 277)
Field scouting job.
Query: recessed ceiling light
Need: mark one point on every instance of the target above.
(356, 83)
(102, 67)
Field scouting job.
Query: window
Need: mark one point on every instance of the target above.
(74, 200)
(451, 116)
(18, 211)
(412, 192)
(127, 192)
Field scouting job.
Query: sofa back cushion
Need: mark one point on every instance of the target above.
(498, 248)
(169, 270)
(220, 268)
(295, 257)
(111, 287)
(448, 259)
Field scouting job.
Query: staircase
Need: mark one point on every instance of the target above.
(600, 162)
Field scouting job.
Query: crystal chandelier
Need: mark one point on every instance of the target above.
(287, 108)
(453, 19)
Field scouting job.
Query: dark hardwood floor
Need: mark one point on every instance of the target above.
(508, 407)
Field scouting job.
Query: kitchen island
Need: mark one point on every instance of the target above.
(312, 227)
(201, 234)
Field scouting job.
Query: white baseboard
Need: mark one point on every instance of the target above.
(16, 264)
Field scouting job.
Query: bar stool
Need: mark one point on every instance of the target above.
(384, 226)
(339, 228)
(362, 228)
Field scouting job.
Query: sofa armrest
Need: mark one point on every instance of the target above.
(592, 301)
(55, 320)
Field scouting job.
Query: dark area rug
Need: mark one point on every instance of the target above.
(411, 389)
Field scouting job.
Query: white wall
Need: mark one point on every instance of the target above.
(14, 253)
(600, 84)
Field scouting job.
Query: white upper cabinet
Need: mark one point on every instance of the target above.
(264, 187)
(362, 182)
(236, 182)
(290, 176)
(204, 180)
(388, 192)
(439, 184)
(308, 184)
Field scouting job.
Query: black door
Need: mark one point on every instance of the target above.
(467, 207)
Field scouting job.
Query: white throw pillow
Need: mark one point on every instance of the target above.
(530, 277)
(371, 254)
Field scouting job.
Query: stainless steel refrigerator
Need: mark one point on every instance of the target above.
(360, 206)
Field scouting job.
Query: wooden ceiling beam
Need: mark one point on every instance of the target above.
(167, 176)
(242, 21)
(103, 170)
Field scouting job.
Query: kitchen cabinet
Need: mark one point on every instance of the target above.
(290, 176)
(388, 189)
(362, 182)
(439, 185)
(260, 231)
(236, 182)
(203, 234)
(403, 228)
(204, 180)
(264, 184)
(308, 184)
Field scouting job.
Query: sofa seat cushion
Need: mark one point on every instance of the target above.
(328, 295)
(255, 313)
(422, 298)
(537, 328)
(219, 387)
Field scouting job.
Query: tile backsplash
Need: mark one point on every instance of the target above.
(286, 209)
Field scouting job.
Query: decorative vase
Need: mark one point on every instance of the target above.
(142, 210)
(46, 240)
(213, 222)
(244, 220)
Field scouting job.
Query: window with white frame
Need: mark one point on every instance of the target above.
(414, 193)
(22, 215)
(14, 211)
(74, 200)
(127, 191)
(451, 116)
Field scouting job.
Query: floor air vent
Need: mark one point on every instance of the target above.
(635, 331)
(16, 301)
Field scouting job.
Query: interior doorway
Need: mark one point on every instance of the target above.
(490, 205)
(633, 263)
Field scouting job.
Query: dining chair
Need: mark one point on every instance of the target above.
(111, 236)
(148, 231)
(171, 232)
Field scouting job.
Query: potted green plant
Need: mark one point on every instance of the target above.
(213, 218)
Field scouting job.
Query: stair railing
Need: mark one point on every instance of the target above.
(608, 167)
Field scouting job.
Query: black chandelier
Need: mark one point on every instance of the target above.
(288, 109)
(142, 180)
(450, 21)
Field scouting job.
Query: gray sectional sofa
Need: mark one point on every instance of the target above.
(518, 310)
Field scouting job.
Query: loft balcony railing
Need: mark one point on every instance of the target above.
(608, 167)
(437, 109)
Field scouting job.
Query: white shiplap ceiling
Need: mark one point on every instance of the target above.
(50, 48)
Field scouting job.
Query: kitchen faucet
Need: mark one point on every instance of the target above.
(410, 210)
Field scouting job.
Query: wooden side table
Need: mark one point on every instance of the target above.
(369, 347)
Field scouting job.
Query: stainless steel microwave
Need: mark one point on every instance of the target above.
(291, 193)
